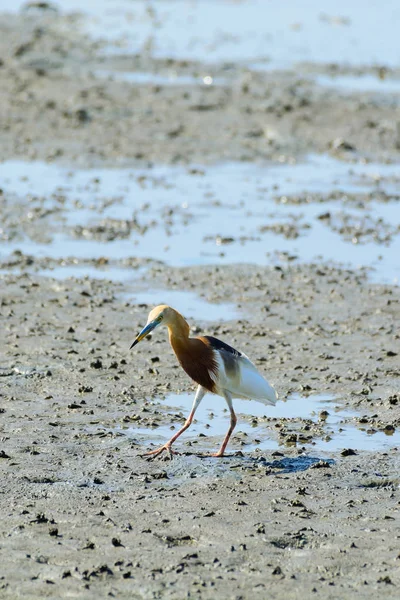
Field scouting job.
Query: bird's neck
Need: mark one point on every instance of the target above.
(178, 332)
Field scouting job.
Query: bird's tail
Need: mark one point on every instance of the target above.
(270, 397)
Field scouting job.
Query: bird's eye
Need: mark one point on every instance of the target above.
(159, 318)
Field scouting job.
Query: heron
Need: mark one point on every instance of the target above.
(215, 366)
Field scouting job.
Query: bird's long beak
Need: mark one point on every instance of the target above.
(145, 331)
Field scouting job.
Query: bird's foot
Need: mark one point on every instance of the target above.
(213, 454)
(154, 453)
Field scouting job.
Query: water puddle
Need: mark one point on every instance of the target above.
(285, 33)
(171, 78)
(187, 303)
(360, 83)
(321, 209)
(114, 274)
(317, 422)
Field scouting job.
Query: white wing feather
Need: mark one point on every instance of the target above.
(247, 383)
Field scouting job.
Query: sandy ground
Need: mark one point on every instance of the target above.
(82, 513)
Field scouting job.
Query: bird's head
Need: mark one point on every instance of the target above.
(160, 315)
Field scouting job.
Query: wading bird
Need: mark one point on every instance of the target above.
(213, 365)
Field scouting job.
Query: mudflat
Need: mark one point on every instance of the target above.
(98, 226)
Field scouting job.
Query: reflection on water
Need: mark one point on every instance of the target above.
(212, 420)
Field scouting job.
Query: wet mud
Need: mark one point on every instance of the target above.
(280, 235)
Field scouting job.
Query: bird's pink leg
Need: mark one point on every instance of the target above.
(168, 445)
(232, 426)
(200, 393)
(221, 451)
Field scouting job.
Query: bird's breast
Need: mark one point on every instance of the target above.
(197, 359)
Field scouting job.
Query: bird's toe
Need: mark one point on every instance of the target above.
(152, 454)
(212, 455)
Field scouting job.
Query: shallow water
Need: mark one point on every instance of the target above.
(213, 30)
(187, 303)
(360, 83)
(212, 420)
(220, 214)
(170, 78)
(111, 273)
